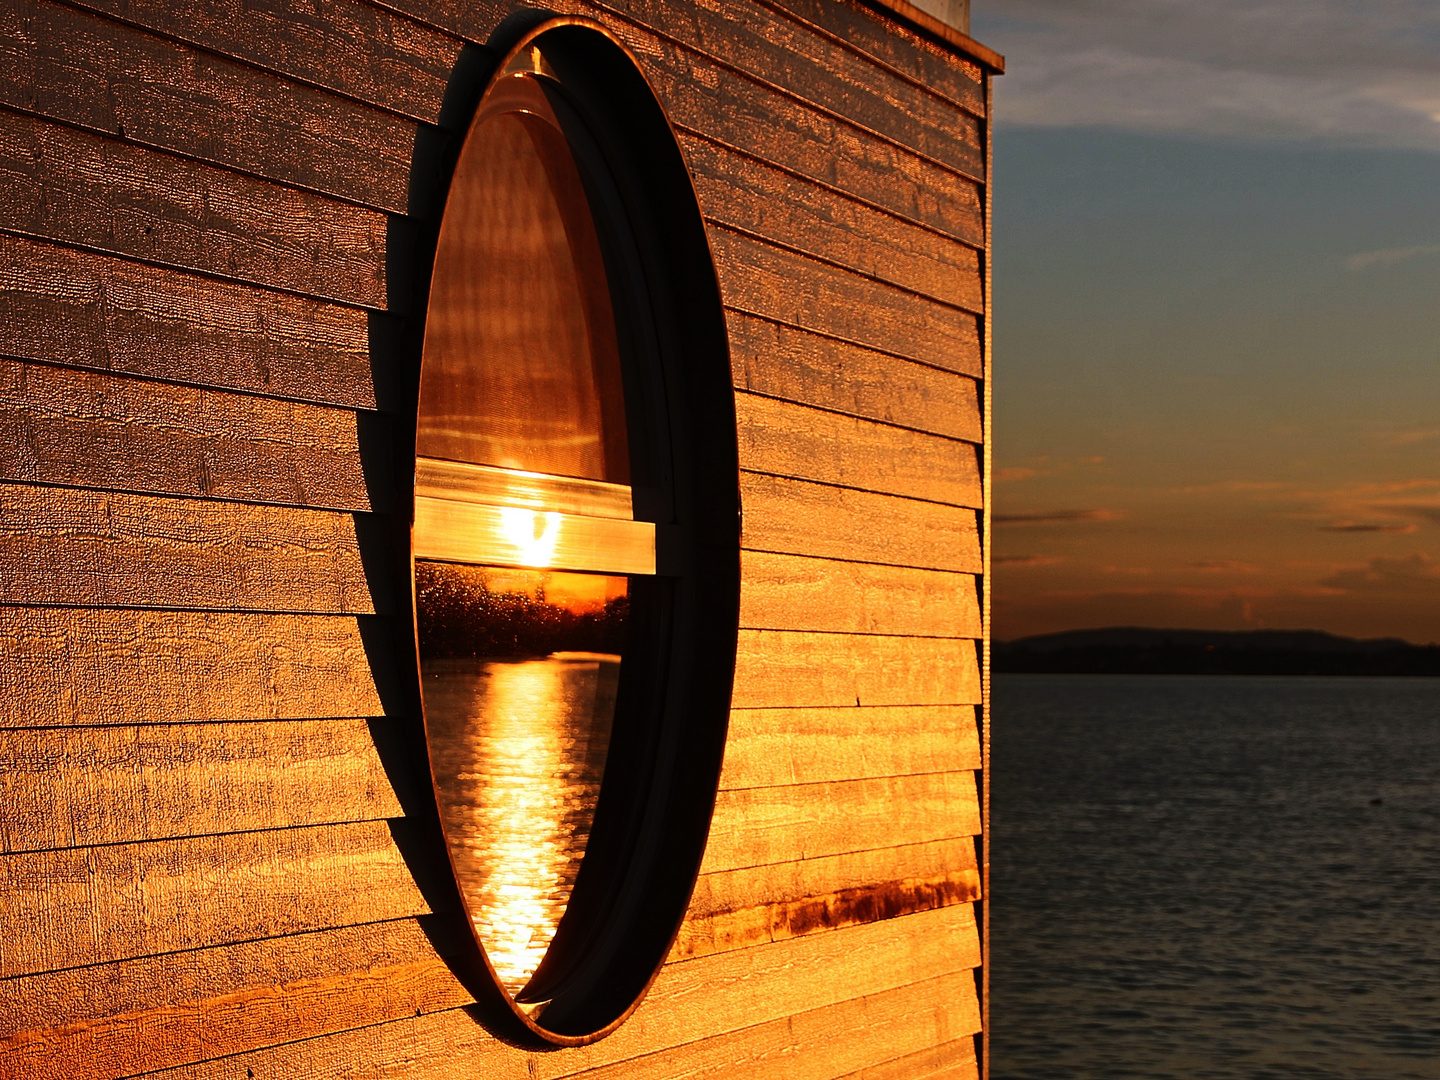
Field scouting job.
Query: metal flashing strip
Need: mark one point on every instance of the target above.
(506, 517)
(454, 531)
(906, 12)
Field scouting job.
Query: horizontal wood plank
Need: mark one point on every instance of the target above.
(132, 1016)
(785, 362)
(698, 999)
(101, 430)
(83, 786)
(710, 100)
(78, 68)
(91, 905)
(800, 518)
(757, 826)
(740, 908)
(783, 669)
(953, 1060)
(814, 1044)
(771, 747)
(95, 311)
(785, 439)
(788, 288)
(63, 184)
(359, 50)
(106, 549)
(792, 592)
(752, 886)
(745, 194)
(787, 54)
(777, 920)
(895, 45)
(69, 666)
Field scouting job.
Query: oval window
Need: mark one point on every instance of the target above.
(576, 534)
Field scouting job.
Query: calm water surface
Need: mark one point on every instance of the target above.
(518, 749)
(1191, 878)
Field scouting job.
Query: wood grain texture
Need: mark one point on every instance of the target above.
(94, 311)
(781, 361)
(773, 747)
(777, 920)
(698, 999)
(710, 100)
(785, 439)
(814, 1044)
(790, 56)
(77, 787)
(753, 886)
(784, 669)
(101, 430)
(75, 67)
(132, 1016)
(953, 1060)
(791, 592)
(757, 826)
(383, 987)
(91, 905)
(896, 46)
(800, 518)
(63, 184)
(103, 549)
(69, 666)
(359, 50)
(788, 288)
(742, 193)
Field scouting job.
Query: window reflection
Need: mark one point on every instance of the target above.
(521, 364)
(522, 462)
(519, 671)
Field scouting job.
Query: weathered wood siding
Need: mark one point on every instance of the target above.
(205, 865)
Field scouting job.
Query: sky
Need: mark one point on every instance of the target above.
(1217, 315)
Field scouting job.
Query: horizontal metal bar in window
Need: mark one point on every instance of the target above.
(470, 532)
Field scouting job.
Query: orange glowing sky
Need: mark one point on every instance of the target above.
(1217, 296)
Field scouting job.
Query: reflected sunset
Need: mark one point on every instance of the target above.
(519, 676)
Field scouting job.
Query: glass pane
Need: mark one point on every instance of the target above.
(519, 670)
(521, 363)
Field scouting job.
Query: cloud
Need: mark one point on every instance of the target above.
(1054, 517)
(1323, 70)
(1422, 511)
(1028, 560)
(1005, 475)
(1225, 567)
(1409, 574)
(1407, 438)
(1366, 527)
(1390, 256)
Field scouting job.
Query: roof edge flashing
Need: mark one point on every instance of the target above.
(926, 17)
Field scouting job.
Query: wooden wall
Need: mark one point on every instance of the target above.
(207, 868)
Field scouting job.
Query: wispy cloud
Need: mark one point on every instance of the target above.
(1412, 573)
(1055, 517)
(1390, 256)
(1028, 560)
(1407, 438)
(1366, 527)
(1327, 70)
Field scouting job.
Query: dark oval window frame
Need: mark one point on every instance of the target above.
(662, 772)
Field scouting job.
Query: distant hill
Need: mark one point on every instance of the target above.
(1140, 651)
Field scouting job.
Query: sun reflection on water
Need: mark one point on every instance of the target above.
(518, 749)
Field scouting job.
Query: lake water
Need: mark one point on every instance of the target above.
(1191, 878)
(518, 751)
